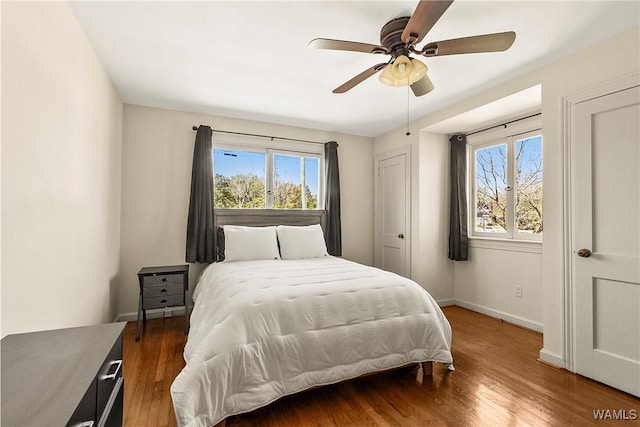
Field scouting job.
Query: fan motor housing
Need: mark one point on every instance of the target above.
(391, 36)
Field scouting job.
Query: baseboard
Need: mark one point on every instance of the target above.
(551, 358)
(516, 320)
(446, 302)
(152, 314)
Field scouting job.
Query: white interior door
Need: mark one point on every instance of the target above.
(392, 214)
(605, 183)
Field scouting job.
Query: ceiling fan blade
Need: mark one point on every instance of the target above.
(359, 78)
(422, 86)
(346, 45)
(496, 42)
(423, 19)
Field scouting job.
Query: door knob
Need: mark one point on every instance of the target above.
(584, 253)
(400, 236)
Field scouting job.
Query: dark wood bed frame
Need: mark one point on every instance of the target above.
(267, 217)
(270, 217)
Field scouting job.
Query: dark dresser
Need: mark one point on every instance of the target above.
(65, 377)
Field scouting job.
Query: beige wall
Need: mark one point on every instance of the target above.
(157, 156)
(61, 160)
(544, 295)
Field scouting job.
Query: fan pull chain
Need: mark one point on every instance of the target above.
(408, 133)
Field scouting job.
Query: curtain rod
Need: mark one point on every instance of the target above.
(504, 124)
(261, 136)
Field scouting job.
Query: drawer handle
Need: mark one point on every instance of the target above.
(86, 424)
(163, 301)
(163, 290)
(164, 279)
(115, 373)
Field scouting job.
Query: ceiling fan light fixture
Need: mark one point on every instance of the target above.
(386, 77)
(422, 86)
(403, 72)
(418, 71)
(401, 69)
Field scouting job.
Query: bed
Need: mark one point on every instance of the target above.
(293, 319)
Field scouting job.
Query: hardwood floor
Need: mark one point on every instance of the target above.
(498, 382)
(150, 366)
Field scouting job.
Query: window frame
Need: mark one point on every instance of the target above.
(509, 136)
(299, 149)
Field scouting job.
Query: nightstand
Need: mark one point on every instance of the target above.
(162, 287)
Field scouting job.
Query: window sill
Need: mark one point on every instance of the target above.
(529, 246)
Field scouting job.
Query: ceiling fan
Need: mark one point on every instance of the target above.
(399, 38)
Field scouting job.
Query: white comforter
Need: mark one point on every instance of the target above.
(264, 329)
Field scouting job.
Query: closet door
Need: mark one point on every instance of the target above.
(605, 182)
(392, 213)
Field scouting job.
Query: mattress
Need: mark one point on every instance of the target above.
(261, 330)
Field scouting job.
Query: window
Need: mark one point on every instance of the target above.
(239, 178)
(266, 178)
(295, 181)
(506, 187)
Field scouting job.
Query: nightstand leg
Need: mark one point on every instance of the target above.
(139, 310)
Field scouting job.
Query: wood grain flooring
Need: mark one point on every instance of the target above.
(498, 382)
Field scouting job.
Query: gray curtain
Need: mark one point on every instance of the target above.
(333, 230)
(200, 239)
(458, 236)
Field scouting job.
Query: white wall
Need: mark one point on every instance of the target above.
(487, 281)
(61, 161)
(434, 270)
(157, 156)
(615, 57)
(429, 208)
(612, 58)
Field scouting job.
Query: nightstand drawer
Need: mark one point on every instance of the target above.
(163, 279)
(162, 290)
(162, 301)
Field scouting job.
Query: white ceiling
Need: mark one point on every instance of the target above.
(250, 59)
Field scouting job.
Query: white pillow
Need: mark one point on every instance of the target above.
(250, 243)
(301, 242)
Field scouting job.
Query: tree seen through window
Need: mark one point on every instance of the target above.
(493, 184)
(240, 180)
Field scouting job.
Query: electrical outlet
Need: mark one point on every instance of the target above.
(167, 312)
(518, 291)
